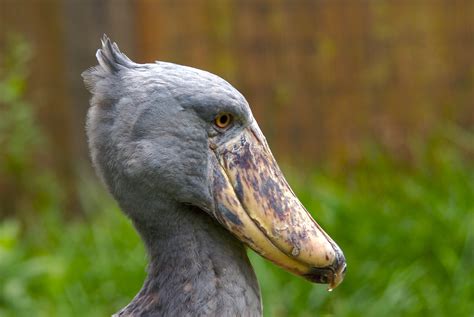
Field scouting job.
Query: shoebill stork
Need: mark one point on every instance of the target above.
(180, 151)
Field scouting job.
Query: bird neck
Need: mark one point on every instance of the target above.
(196, 268)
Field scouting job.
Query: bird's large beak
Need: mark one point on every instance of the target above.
(255, 203)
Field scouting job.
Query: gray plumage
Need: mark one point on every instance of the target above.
(180, 151)
(149, 128)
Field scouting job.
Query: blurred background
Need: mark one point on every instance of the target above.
(367, 105)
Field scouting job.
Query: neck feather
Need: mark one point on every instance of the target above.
(196, 268)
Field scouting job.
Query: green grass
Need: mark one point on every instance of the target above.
(406, 233)
(408, 237)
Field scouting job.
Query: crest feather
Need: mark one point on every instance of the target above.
(111, 61)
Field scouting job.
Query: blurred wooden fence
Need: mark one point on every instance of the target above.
(322, 77)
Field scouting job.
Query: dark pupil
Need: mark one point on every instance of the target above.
(223, 119)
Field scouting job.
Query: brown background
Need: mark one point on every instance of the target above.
(324, 78)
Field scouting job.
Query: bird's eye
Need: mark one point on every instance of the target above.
(223, 120)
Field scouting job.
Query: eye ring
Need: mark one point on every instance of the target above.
(223, 120)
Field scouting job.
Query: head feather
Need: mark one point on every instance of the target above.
(111, 61)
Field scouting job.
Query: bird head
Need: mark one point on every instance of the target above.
(166, 131)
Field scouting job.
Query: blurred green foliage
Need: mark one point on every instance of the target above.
(407, 236)
(406, 233)
(19, 134)
(22, 142)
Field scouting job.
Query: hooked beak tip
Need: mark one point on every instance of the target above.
(332, 274)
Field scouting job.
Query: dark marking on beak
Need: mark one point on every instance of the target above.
(271, 190)
(238, 188)
(227, 214)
